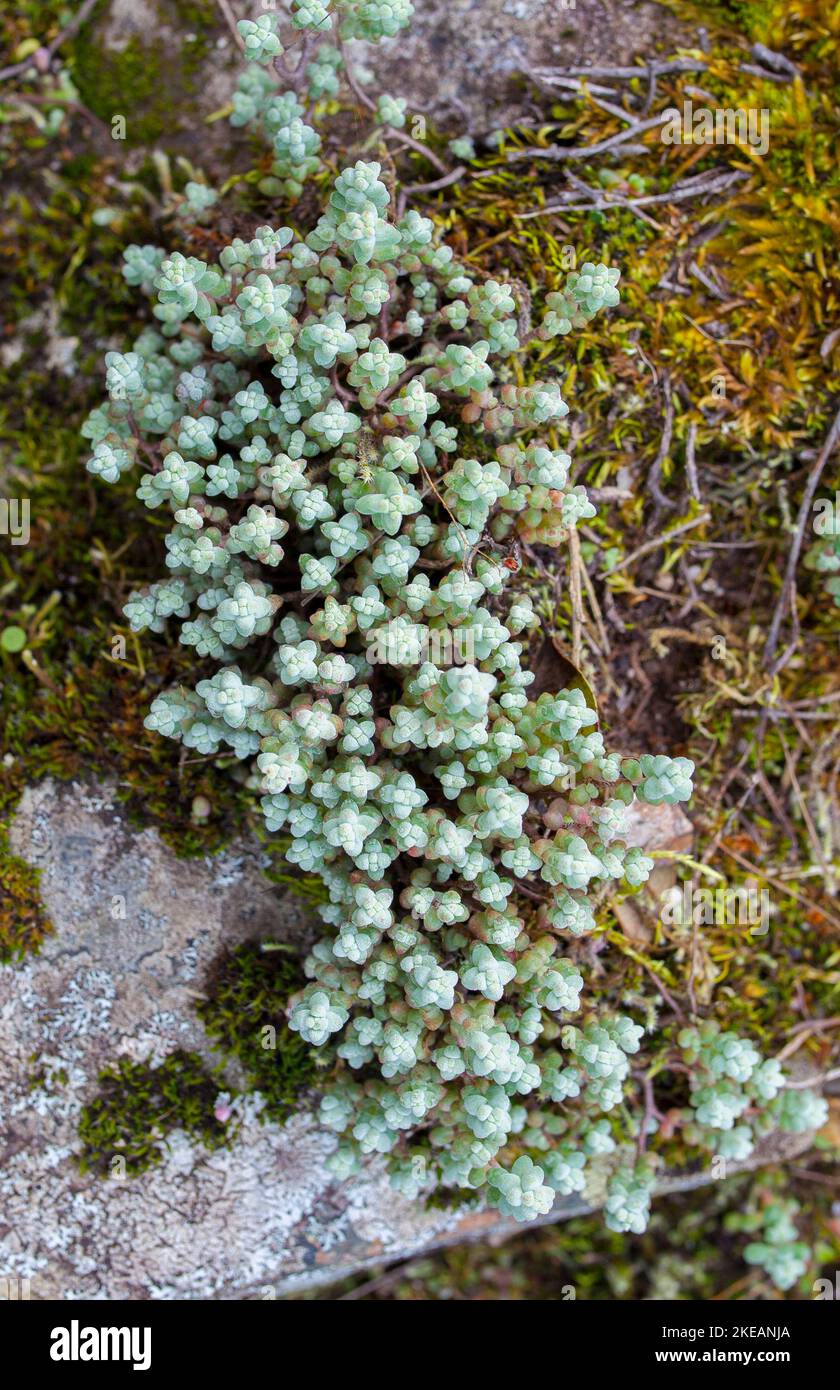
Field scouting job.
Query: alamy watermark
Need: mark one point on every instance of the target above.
(82, 1343)
(723, 125)
(14, 519)
(719, 907)
(443, 646)
(826, 1289)
(827, 515)
(14, 1289)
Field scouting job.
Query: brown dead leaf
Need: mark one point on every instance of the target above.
(553, 670)
(632, 924)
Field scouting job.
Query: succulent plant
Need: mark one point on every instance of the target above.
(333, 423)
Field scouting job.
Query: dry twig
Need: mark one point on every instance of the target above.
(655, 474)
(230, 21)
(655, 544)
(787, 597)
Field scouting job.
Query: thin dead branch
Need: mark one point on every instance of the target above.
(655, 544)
(655, 474)
(787, 598)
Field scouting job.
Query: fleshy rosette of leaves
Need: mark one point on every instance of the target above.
(736, 1095)
(277, 92)
(775, 1247)
(629, 1193)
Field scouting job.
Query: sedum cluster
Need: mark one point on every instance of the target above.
(312, 65)
(346, 454)
(736, 1095)
(777, 1249)
(338, 425)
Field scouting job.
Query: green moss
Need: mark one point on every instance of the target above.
(51, 247)
(23, 921)
(453, 1199)
(244, 1015)
(124, 1131)
(138, 1104)
(46, 1076)
(774, 253)
(69, 704)
(134, 82)
(198, 20)
(152, 84)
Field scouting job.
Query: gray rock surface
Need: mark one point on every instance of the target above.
(461, 61)
(136, 929)
(264, 1212)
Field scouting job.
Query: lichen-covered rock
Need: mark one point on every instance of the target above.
(136, 929)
